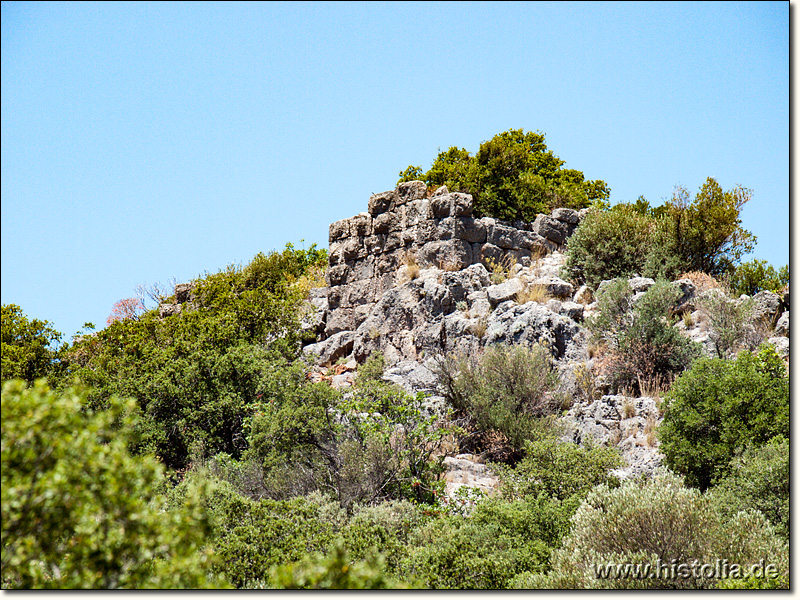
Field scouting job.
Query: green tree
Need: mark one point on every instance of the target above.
(718, 408)
(27, 345)
(757, 275)
(707, 232)
(759, 480)
(195, 374)
(79, 511)
(513, 176)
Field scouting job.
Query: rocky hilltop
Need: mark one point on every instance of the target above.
(418, 276)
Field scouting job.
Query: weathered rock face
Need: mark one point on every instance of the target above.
(405, 226)
(628, 424)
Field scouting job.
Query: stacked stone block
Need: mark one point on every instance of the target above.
(366, 250)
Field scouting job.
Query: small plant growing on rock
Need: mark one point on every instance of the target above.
(462, 306)
(478, 328)
(410, 269)
(500, 269)
(533, 293)
(628, 408)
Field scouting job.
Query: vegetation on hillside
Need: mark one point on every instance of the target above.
(193, 450)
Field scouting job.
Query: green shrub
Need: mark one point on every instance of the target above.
(732, 324)
(485, 550)
(609, 244)
(79, 511)
(560, 470)
(196, 374)
(719, 407)
(655, 522)
(757, 275)
(759, 480)
(703, 234)
(384, 529)
(378, 445)
(508, 390)
(372, 369)
(252, 537)
(645, 347)
(513, 176)
(334, 570)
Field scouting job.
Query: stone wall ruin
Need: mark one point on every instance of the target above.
(404, 224)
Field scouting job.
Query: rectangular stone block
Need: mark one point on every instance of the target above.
(387, 222)
(341, 319)
(417, 211)
(469, 229)
(381, 203)
(440, 206)
(462, 205)
(339, 230)
(504, 236)
(550, 228)
(409, 191)
(361, 225)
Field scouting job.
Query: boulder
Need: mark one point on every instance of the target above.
(566, 215)
(502, 292)
(550, 228)
(640, 284)
(767, 306)
(380, 203)
(184, 292)
(555, 287)
(409, 191)
(782, 326)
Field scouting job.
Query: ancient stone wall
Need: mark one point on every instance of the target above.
(405, 225)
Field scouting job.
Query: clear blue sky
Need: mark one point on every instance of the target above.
(147, 141)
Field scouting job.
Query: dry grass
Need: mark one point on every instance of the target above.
(409, 269)
(701, 281)
(615, 437)
(650, 427)
(533, 293)
(653, 387)
(450, 263)
(628, 408)
(585, 381)
(479, 328)
(501, 270)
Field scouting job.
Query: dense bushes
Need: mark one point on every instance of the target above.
(757, 275)
(720, 407)
(79, 511)
(513, 176)
(194, 375)
(703, 235)
(609, 244)
(644, 347)
(28, 350)
(508, 390)
(654, 524)
(759, 480)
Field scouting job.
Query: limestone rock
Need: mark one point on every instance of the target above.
(767, 306)
(782, 326)
(507, 290)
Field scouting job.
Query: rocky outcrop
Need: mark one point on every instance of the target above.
(407, 226)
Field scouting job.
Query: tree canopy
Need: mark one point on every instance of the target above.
(513, 176)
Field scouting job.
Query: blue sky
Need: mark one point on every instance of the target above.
(142, 142)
